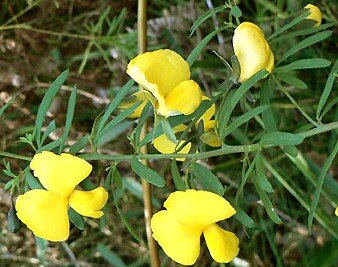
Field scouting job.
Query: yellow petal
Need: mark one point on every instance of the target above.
(89, 203)
(252, 50)
(159, 71)
(315, 14)
(223, 245)
(208, 113)
(198, 208)
(45, 213)
(140, 96)
(60, 174)
(184, 98)
(211, 138)
(179, 242)
(165, 146)
(336, 211)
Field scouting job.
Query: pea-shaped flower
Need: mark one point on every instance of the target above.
(45, 212)
(166, 75)
(188, 214)
(315, 14)
(252, 50)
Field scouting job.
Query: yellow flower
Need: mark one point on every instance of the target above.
(252, 50)
(45, 212)
(166, 146)
(140, 96)
(166, 75)
(315, 14)
(336, 211)
(188, 214)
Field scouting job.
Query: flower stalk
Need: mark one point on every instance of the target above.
(148, 209)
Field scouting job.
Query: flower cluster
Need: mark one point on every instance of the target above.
(45, 212)
(188, 214)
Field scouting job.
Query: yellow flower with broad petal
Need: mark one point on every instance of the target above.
(336, 211)
(188, 214)
(315, 14)
(252, 50)
(166, 75)
(45, 212)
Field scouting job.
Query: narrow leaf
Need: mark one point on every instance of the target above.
(110, 256)
(208, 180)
(46, 102)
(267, 203)
(147, 173)
(305, 43)
(242, 119)
(79, 144)
(262, 180)
(320, 182)
(4, 107)
(76, 219)
(244, 218)
(205, 16)
(310, 63)
(69, 118)
(114, 104)
(281, 138)
(50, 128)
(32, 182)
(179, 184)
(292, 80)
(328, 88)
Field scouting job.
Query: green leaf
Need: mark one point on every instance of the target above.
(114, 104)
(270, 124)
(51, 127)
(13, 222)
(179, 184)
(201, 45)
(167, 129)
(76, 219)
(110, 256)
(320, 182)
(242, 119)
(46, 102)
(291, 150)
(302, 32)
(244, 218)
(281, 138)
(261, 178)
(292, 80)
(69, 118)
(267, 203)
(305, 43)
(32, 182)
(236, 11)
(328, 88)
(4, 107)
(110, 125)
(310, 63)
(79, 144)
(289, 25)
(224, 112)
(109, 134)
(208, 180)
(205, 16)
(147, 173)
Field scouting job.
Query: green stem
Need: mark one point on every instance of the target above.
(293, 101)
(14, 156)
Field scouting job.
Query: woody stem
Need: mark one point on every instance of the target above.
(148, 209)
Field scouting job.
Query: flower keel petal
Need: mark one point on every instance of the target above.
(89, 203)
(179, 242)
(45, 213)
(223, 245)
